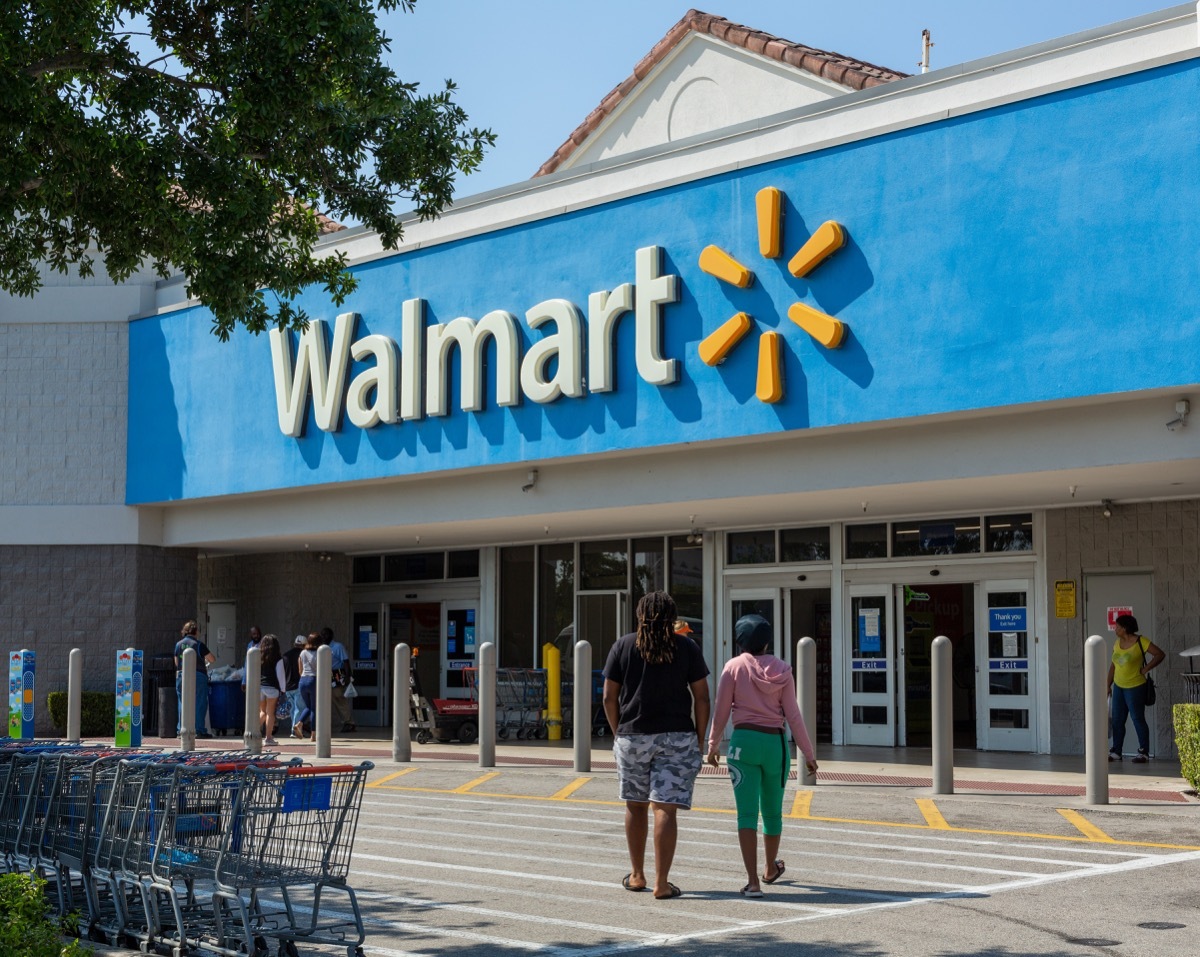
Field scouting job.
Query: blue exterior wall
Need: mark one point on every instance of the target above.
(1042, 251)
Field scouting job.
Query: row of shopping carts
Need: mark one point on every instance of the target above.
(209, 852)
(521, 702)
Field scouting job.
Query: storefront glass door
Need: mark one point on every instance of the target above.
(370, 706)
(870, 698)
(1005, 652)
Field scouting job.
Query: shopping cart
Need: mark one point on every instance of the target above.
(267, 844)
(599, 720)
(520, 703)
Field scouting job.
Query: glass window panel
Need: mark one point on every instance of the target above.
(751, 548)
(416, 566)
(870, 682)
(649, 567)
(1008, 682)
(516, 607)
(868, 619)
(804, 544)
(464, 564)
(556, 596)
(603, 565)
(686, 582)
(1010, 533)
(870, 714)
(942, 536)
(367, 569)
(866, 541)
(1011, 718)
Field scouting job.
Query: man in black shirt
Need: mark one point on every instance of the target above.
(657, 704)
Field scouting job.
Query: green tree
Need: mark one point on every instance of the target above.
(203, 136)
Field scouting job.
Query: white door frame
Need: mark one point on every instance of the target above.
(860, 733)
(987, 665)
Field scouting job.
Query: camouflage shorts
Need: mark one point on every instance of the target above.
(658, 767)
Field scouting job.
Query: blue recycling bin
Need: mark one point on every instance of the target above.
(226, 707)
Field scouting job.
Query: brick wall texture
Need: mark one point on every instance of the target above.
(1162, 538)
(287, 594)
(98, 598)
(64, 414)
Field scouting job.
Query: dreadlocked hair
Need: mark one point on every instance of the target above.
(656, 615)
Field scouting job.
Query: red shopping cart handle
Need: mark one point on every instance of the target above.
(328, 769)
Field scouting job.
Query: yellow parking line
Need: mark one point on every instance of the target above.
(933, 817)
(1088, 829)
(570, 789)
(802, 806)
(479, 780)
(823, 820)
(391, 777)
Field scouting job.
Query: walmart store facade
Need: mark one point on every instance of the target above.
(907, 363)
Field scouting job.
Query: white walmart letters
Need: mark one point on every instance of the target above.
(414, 383)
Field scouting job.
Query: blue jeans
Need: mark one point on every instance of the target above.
(1129, 703)
(308, 695)
(201, 701)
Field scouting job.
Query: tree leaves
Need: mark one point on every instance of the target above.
(202, 136)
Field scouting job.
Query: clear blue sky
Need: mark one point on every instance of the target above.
(531, 70)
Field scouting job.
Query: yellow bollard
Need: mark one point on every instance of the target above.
(552, 660)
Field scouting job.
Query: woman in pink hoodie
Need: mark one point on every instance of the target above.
(758, 690)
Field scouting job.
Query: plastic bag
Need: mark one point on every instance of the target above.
(351, 691)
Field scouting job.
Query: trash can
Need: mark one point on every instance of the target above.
(226, 707)
(158, 676)
(168, 711)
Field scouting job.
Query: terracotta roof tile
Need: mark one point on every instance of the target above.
(855, 74)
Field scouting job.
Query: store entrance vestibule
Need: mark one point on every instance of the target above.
(890, 630)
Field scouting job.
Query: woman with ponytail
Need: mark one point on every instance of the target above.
(657, 704)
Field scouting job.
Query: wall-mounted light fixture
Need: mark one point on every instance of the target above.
(1106, 507)
(324, 557)
(530, 480)
(695, 537)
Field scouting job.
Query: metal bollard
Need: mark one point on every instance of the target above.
(401, 703)
(942, 655)
(252, 733)
(806, 698)
(487, 705)
(324, 717)
(552, 662)
(74, 695)
(583, 706)
(187, 700)
(1095, 713)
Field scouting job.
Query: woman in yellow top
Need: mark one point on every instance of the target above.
(1133, 658)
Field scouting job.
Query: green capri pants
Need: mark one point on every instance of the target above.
(758, 768)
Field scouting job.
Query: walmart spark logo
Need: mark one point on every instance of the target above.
(828, 331)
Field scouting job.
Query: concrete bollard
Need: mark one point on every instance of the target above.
(487, 705)
(806, 698)
(942, 655)
(187, 700)
(582, 706)
(1095, 713)
(401, 703)
(324, 715)
(252, 733)
(74, 695)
